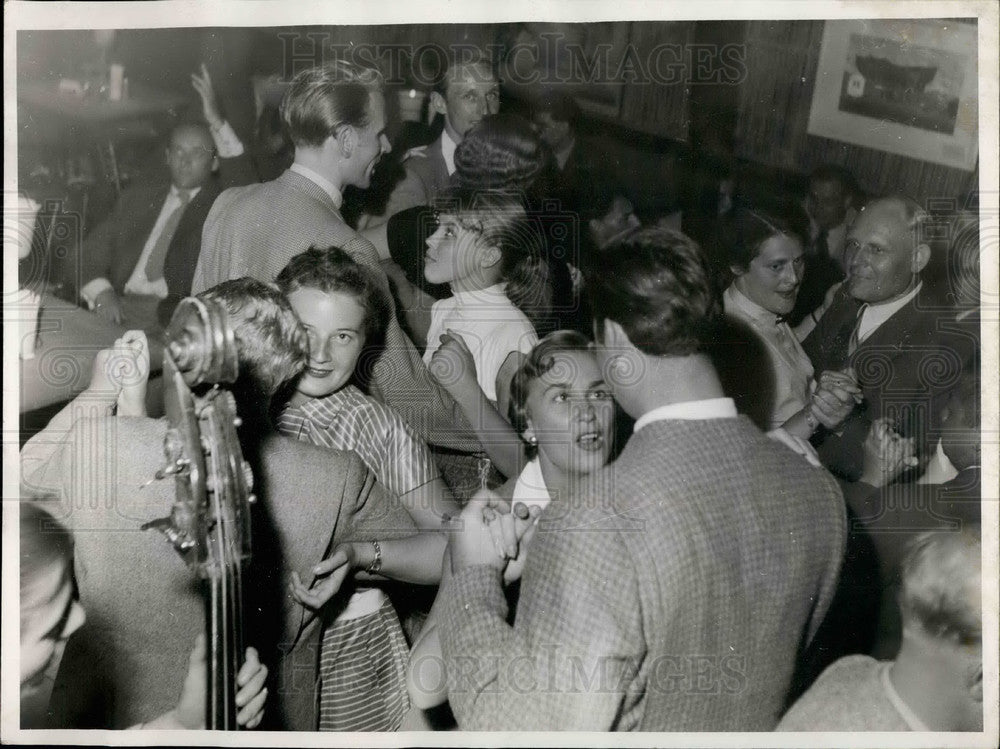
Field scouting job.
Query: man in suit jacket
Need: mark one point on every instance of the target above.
(464, 93)
(255, 230)
(144, 606)
(137, 263)
(675, 590)
(883, 326)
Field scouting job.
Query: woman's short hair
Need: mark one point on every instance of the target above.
(742, 233)
(540, 360)
(321, 100)
(656, 284)
(331, 270)
(942, 585)
(501, 151)
(270, 341)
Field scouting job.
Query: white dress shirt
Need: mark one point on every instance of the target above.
(874, 315)
(328, 187)
(710, 408)
(448, 147)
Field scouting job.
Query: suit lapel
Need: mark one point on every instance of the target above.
(140, 217)
(436, 154)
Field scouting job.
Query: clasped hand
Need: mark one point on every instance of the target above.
(836, 395)
(490, 532)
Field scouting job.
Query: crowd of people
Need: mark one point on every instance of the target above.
(523, 461)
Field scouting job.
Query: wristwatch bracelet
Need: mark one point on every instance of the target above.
(376, 565)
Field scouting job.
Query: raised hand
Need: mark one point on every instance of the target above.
(113, 368)
(132, 397)
(488, 533)
(525, 522)
(453, 365)
(333, 571)
(202, 83)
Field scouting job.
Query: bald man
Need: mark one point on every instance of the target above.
(883, 329)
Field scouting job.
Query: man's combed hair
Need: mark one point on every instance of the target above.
(270, 342)
(656, 284)
(942, 585)
(333, 269)
(321, 100)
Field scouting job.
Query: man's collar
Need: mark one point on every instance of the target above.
(710, 408)
(191, 191)
(448, 146)
(326, 185)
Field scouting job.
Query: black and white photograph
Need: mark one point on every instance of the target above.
(501, 374)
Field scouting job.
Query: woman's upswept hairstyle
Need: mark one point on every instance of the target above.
(500, 218)
(321, 100)
(538, 362)
(657, 285)
(501, 152)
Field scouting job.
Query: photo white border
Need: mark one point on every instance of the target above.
(191, 13)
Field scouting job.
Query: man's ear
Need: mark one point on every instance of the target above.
(737, 270)
(615, 337)
(921, 257)
(347, 138)
(438, 103)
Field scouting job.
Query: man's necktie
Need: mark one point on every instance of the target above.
(852, 346)
(154, 265)
(822, 245)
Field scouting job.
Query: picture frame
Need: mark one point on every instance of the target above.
(908, 87)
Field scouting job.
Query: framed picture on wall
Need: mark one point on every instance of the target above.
(907, 87)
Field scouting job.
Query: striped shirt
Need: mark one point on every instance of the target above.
(351, 420)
